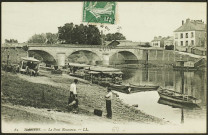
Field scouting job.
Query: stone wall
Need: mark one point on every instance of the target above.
(15, 55)
(166, 57)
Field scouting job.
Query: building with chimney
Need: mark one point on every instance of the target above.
(162, 41)
(191, 34)
(158, 42)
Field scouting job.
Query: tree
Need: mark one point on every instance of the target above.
(109, 37)
(44, 38)
(79, 34)
(115, 36)
(51, 38)
(93, 35)
(38, 38)
(11, 41)
(169, 47)
(65, 33)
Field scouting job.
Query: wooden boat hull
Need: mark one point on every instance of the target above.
(120, 88)
(178, 99)
(133, 89)
(143, 87)
(176, 105)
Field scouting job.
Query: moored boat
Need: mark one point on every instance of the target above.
(143, 87)
(104, 75)
(126, 88)
(176, 105)
(177, 97)
(119, 87)
(77, 70)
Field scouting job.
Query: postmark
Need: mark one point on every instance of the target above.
(99, 12)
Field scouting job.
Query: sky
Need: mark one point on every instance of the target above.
(139, 21)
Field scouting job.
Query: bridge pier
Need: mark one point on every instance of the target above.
(106, 60)
(61, 57)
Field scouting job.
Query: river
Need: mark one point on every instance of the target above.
(150, 102)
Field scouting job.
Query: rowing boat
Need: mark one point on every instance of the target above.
(143, 87)
(120, 88)
(177, 97)
(177, 105)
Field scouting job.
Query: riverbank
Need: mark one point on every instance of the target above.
(51, 92)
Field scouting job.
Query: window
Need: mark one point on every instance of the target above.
(181, 43)
(176, 35)
(181, 35)
(186, 35)
(186, 43)
(192, 34)
(192, 42)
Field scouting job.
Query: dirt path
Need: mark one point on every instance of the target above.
(50, 116)
(48, 121)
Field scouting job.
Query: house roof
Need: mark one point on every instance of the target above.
(169, 38)
(192, 25)
(104, 69)
(157, 38)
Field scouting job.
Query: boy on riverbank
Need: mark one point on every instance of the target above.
(108, 98)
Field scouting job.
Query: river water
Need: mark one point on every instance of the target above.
(150, 102)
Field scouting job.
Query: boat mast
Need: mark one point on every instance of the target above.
(182, 81)
(182, 91)
(182, 116)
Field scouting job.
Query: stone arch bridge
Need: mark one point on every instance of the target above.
(60, 53)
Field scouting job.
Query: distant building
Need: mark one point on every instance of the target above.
(168, 41)
(191, 34)
(158, 42)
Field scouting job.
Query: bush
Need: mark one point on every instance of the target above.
(169, 47)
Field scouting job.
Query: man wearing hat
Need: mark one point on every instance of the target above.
(108, 98)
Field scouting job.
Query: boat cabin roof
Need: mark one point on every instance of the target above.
(93, 72)
(78, 65)
(104, 69)
(30, 59)
(118, 73)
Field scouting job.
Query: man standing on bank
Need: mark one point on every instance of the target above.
(108, 98)
(73, 100)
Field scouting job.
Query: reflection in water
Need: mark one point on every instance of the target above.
(194, 81)
(177, 105)
(150, 102)
(182, 116)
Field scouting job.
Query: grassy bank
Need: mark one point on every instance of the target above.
(21, 92)
(54, 96)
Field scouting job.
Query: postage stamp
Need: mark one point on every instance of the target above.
(99, 12)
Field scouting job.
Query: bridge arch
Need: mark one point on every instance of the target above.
(123, 57)
(85, 56)
(43, 56)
